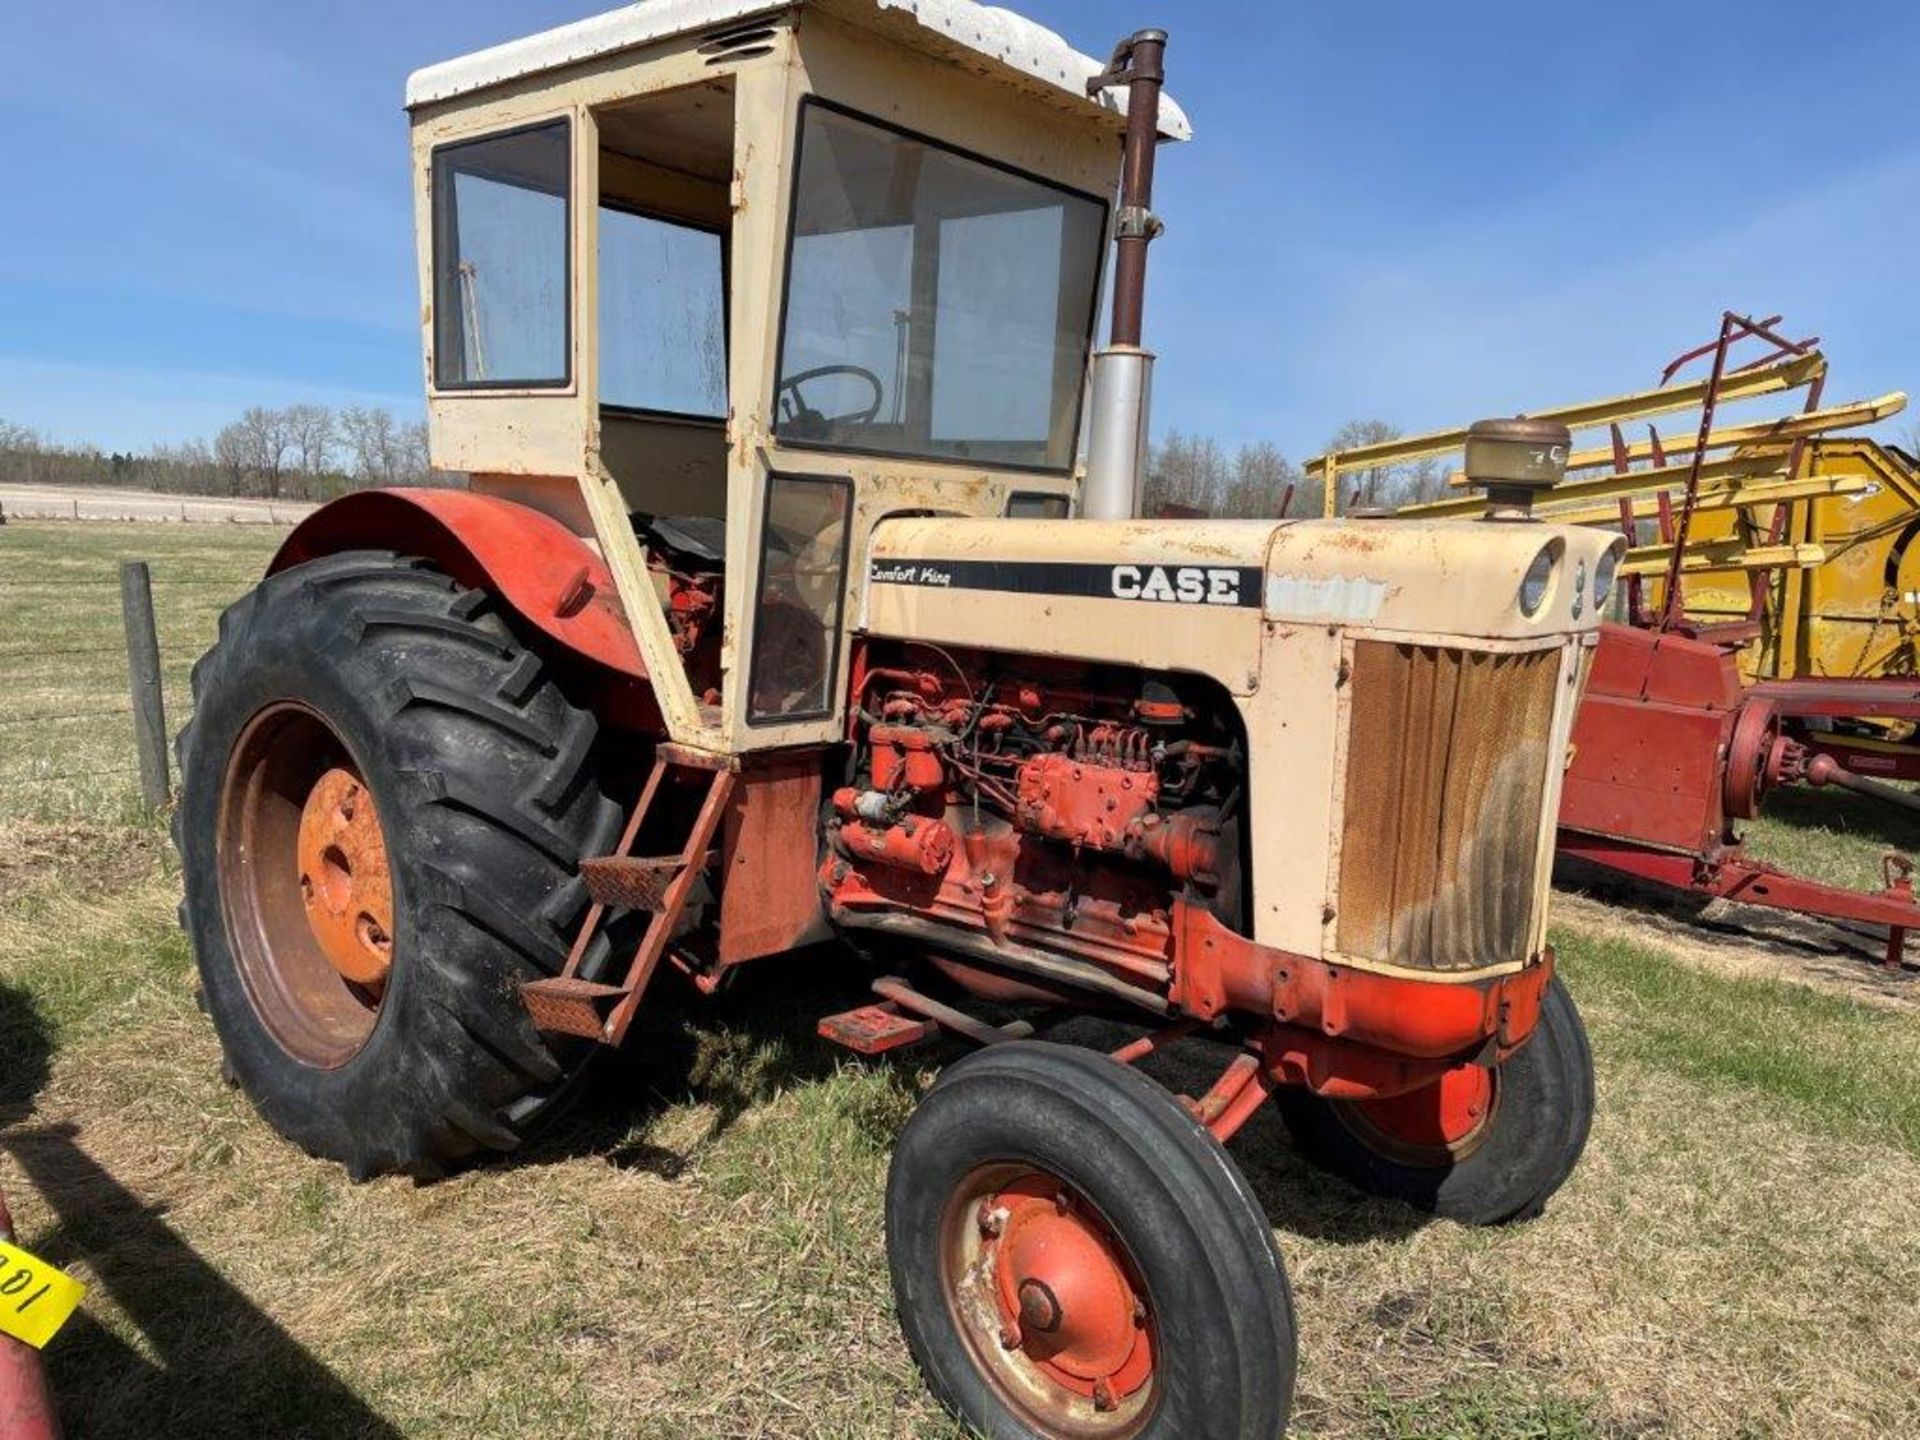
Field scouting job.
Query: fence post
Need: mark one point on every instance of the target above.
(143, 678)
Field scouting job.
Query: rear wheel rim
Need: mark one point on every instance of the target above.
(1049, 1303)
(305, 885)
(1434, 1127)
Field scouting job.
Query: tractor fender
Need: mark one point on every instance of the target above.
(535, 566)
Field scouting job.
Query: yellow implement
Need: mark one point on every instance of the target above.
(1793, 373)
(1797, 527)
(1707, 557)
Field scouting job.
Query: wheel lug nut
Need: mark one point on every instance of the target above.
(992, 1221)
(1103, 1396)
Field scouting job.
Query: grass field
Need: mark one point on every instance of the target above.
(696, 1250)
(66, 736)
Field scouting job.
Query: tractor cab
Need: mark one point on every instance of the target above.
(719, 286)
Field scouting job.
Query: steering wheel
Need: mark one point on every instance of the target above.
(799, 417)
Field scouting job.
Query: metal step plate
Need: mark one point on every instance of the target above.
(875, 1029)
(570, 1007)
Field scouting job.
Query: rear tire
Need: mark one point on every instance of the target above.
(382, 669)
(1504, 1168)
(1156, 1270)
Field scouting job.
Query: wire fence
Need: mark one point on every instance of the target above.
(96, 675)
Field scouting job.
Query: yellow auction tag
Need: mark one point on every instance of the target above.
(35, 1298)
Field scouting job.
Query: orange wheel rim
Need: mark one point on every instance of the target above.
(306, 891)
(344, 882)
(1050, 1303)
(1438, 1124)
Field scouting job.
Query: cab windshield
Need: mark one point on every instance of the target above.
(937, 306)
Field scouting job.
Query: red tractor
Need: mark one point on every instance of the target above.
(781, 605)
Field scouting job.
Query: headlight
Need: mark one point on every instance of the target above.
(1534, 584)
(1603, 578)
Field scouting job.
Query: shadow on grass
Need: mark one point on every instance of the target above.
(1847, 813)
(759, 1039)
(219, 1365)
(731, 1053)
(1299, 1198)
(1831, 947)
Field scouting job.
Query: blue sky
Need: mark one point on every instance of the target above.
(1422, 212)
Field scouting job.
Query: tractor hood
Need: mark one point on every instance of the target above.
(1148, 591)
(1438, 579)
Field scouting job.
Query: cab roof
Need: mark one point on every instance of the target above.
(961, 30)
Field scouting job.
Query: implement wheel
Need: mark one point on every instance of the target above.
(1481, 1145)
(385, 800)
(1075, 1258)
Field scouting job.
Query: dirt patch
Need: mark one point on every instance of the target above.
(1743, 941)
(79, 857)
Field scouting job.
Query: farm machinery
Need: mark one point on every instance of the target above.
(782, 607)
(1767, 615)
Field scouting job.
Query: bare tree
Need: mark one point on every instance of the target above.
(1261, 475)
(191, 467)
(252, 452)
(373, 444)
(1370, 486)
(231, 454)
(310, 434)
(1188, 472)
(416, 454)
(1417, 481)
(20, 453)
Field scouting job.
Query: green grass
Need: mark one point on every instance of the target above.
(1502, 1409)
(1837, 1067)
(66, 736)
(1831, 835)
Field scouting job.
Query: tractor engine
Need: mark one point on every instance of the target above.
(1037, 814)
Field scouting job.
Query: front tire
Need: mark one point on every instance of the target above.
(1075, 1258)
(1482, 1145)
(385, 799)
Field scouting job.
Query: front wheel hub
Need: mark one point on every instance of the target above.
(1052, 1305)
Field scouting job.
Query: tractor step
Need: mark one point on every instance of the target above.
(627, 882)
(570, 1007)
(876, 1029)
(659, 888)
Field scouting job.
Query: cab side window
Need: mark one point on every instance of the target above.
(501, 281)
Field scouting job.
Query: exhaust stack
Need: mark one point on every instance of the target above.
(1123, 372)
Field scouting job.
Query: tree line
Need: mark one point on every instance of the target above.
(298, 452)
(1195, 474)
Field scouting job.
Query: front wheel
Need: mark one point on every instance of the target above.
(1482, 1145)
(1075, 1258)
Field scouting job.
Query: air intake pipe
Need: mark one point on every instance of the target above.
(1123, 372)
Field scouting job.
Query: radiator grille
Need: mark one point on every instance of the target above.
(1447, 757)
